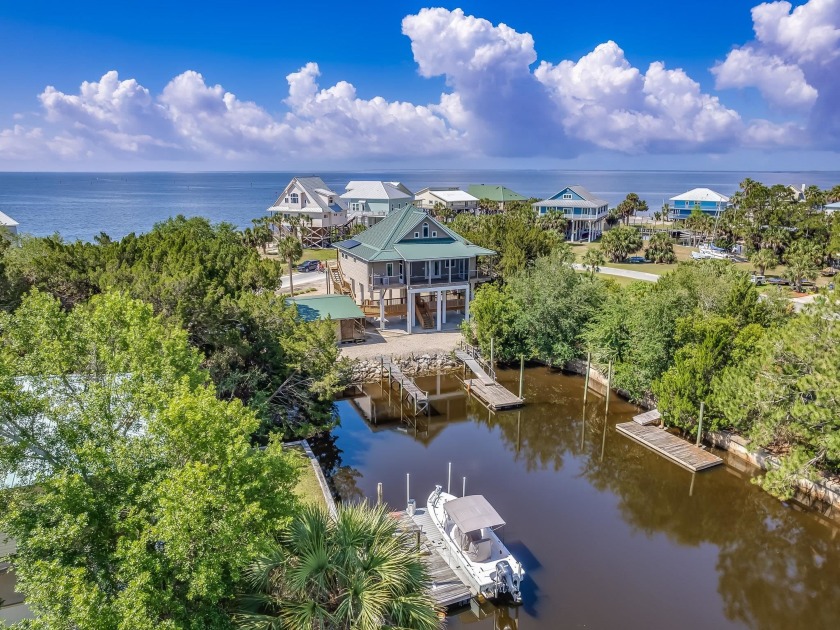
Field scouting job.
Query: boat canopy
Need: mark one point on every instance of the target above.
(472, 513)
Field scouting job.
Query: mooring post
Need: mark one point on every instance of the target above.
(609, 386)
(464, 487)
(604, 437)
(491, 353)
(521, 373)
(417, 534)
(700, 424)
(449, 480)
(407, 489)
(586, 382)
(379, 493)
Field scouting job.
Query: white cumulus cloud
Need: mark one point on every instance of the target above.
(794, 61)
(500, 100)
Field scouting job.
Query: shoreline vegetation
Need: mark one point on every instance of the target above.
(148, 384)
(704, 333)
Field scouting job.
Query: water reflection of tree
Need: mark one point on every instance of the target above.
(343, 480)
(777, 568)
(543, 434)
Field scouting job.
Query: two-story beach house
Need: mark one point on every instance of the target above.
(320, 210)
(584, 212)
(709, 201)
(409, 268)
(368, 202)
(453, 198)
(500, 195)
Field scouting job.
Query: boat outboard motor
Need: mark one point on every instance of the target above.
(504, 580)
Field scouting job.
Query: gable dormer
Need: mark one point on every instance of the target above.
(426, 229)
(567, 194)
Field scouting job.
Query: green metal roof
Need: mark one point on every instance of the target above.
(379, 243)
(425, 251)
(494, 193)
(318, 307)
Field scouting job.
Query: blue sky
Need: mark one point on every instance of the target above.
(187, 85)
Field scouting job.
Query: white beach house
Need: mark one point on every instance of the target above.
(452, 198)
(8, 223)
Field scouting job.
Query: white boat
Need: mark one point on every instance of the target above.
(710, 251)
(468, 526)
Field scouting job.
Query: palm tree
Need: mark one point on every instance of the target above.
(764, 259)
(660, 249)
(290, 249)
(803, 262)
(593, 259)
(630, 206)
(354, 572)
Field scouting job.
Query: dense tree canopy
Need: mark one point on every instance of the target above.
(221, 291)
(516, 235)
(139, 498)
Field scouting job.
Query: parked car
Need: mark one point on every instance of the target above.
(308, 265)
(636, 259)
(758, 279)
(778, 281)
(829, 272)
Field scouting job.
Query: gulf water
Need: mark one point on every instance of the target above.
(81, 205)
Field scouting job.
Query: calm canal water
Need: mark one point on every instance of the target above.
(611, 535)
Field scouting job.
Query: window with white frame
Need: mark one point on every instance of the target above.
(425, 230)
(417, 235)
(434, 234)
(294, 198)
(389, 269)
(567, 196)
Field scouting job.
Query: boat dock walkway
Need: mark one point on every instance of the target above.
(449, 586)
(408, 388)
(484, 386)
(648, 418)
(669, 446)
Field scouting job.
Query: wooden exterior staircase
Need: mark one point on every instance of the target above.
(340, 286)
(424, 316)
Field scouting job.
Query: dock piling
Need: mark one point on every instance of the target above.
(586, 381)
(449, 480)
(379, 493)
(609, 385)
(464, 487)
(700, 424)
(521, 373)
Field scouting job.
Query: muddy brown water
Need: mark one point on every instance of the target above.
(611, 535)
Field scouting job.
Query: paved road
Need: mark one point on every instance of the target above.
(625, 273)
(301, 279)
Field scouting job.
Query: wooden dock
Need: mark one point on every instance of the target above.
(484, 386)
(408, 389)
(494, 396)
(449, 586)
(679, 451)
(476, 368)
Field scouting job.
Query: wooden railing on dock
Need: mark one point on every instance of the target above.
(484, 386)
(409, 391)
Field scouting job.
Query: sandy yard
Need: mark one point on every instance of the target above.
(397, 343)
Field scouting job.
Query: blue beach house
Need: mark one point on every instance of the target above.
(709, 201)
(369, 202)
(584, 212)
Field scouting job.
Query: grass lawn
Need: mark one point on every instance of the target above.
(619, 280)
(308, 489)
